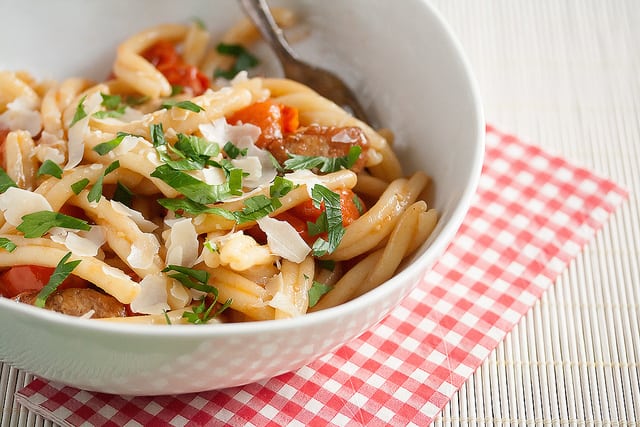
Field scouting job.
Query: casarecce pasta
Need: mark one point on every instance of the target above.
(181, 190)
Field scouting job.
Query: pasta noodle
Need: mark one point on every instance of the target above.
(191, 199)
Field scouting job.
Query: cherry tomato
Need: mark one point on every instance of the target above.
(164, 56)
(274, 120)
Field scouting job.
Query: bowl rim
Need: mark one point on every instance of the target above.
(435, 246)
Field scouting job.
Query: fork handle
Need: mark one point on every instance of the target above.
(259, 13)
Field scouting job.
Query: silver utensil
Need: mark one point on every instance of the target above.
(322, 81)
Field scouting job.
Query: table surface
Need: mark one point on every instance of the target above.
(565, 76)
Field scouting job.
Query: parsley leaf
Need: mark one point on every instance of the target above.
(5, 181)
(49, 167)
(197, 190)
(7, 244)
(233, 151)
(80, 185)
(333, 213)
(80, 113)
(96, 191)
(110, 102)
(201, 314)
(176, 90)
(316, 291)
(122, 194)
(62, 271)
(191, 278)
(324, 164)
(36, 224)
(244, 60)
(104, 147)
(185, 105)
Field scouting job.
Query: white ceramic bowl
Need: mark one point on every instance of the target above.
(412, 75)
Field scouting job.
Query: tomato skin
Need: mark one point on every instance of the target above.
(308, 212)
(274, 120)
(164, 56)
(22, 278)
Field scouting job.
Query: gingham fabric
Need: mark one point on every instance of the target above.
(532, 214)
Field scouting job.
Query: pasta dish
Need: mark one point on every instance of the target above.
(182, 190)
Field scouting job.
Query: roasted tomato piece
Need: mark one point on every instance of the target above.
(321, 141)
(164, 56)
(274, 120)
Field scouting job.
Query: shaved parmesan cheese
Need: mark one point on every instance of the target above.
(182, 243)
(80, 129)
(143, 251)
(16, 203)
(281, 299)
(243, 136)
(252, 166)
(81, 243)
(152, 298)
(144, 224)
(304, 176)
(284, 240)
(21, 115)
(213, 176)
(127, 144)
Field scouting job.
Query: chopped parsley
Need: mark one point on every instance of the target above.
(190, 152)
(5, 181)
(113, 104)
(80, 185)
(199, 191)
(37, 224)
(316, 292)
(255, 207)
(104, 147)
(244, 60)
(232, 151)
(323, 164)
(61, 272)
(7, 244)
(185, 105)
(49, 167)
(330, 221)
(123, 195)
(96, 191)
(201, 314)
(185, 206)
(191, 278)
(80, 113)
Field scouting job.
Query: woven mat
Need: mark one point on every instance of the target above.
(531, 216)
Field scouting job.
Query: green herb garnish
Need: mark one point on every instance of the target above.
(80, 113)
(5, 181)
(333, 214)
(49, 167)
(7, 244)
(38, 223)
(197, 190)
(104, 147)
(96, 191)
(201, 314)
(324, 164)
(316, 292)
(61, 272)
(80, 185)
(185, 105)
(233, 151)
(244, 60)
(123, 195)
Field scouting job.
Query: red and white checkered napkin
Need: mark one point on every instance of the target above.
(531, 216)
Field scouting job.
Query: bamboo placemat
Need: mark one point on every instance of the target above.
(566, 75)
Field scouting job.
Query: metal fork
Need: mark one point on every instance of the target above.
(322, 81)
